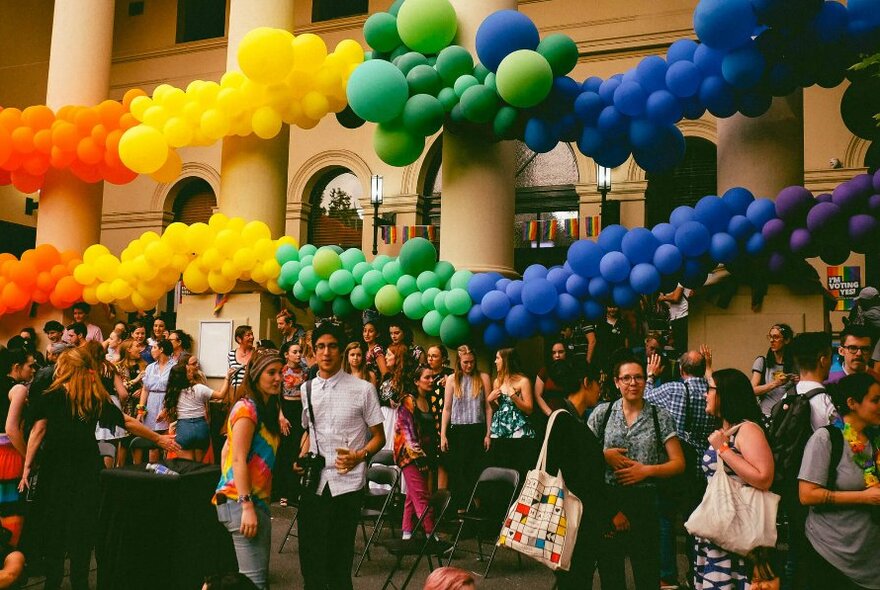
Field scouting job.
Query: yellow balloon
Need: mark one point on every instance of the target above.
(227, 242)
(335, 104)
(158, 254)
(126, 305)
(192, 112)
(194, 279)
(175, 236)
(179, 262)
(106, 267)
(258, 275)
(265, 249)
(266, 55)
(168, 277)
(199, 237)
(305, 122)
(232, 79)
(140, 302)
(301, 83)
(244, 259)
(287, 240)
(315, 105)
(120, 289)
(126, 272)
(272, 269)
(278, 95)
(90, 295)
(241, 125)
(144, 270)
(350, 51)
(219, 283)
(292, 112)
(155, 116)
(230, 271)
(104, 293)
(328, 80)
(212, 259)
(170, 170)
(309, 52)
(208, 93)
(214, 124)
(151, 290)
(84, 274)
(266, 122)
(218, 221)
(139, 106)
(178, 131)
(94, 252)
(231, 101)
(273, 287)
(255, 231)
(174, 100)
(143, 149)
(148, 237)
(236, 224)
(161, 92)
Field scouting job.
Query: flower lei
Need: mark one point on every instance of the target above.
(861, 457)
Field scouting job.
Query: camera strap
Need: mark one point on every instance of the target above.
(312, 415)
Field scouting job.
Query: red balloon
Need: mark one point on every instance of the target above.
(26, 183)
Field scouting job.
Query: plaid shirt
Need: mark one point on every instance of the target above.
(671, 397)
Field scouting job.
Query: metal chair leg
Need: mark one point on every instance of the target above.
(289, 531)
(455, 543)
(377, 529)
(391, 574)
(412, 571)
(491, 559)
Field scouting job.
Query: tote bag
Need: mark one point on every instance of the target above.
(543, 522)
(733, 515)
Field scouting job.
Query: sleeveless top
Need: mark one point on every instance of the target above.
(508, 421)
(467, 409)
(6, 385)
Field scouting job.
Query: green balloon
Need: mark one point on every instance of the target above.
(335, 248)
(326, 262)
(407, 285)
(448, 98)
(398, 53)
(352, 257)
(480, 72)
(289, 274)
(377, 91)
(373, 281)
(306, 259)
(416, 256)
(463, 83)
(423, 79)
(342, 307)
(432, 60)
(360, 299)
(460, 279)
(388, 301)
(342, 282)
(431, 323)
(479, 103)
(412, 306)
(454, 331)
(444, 271)
(391, 272)
(427, 280)
(524, 78)
(360, 269)
(307, 250)
(489, 82)
(427, 25)
(318, 306)
(309, 278)
(560, 51)
(458, 302)
(396, 145)
(423, 114)
(452, 62)
(504, 125)
(395, 8)
(324, 291)
(380, 32)
(381, 260)
(411, 60)
(440, 303)
(300, 292)
(286, 253)
(428, 296)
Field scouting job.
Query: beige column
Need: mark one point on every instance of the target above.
(764, 154)
(79, 74)
(477, 206)
(253, 171)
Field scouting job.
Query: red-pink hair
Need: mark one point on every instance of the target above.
(450, 578)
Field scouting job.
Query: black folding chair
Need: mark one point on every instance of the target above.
(291, 503)
(421, 544)
(376, 504)
(490, 513)
(383, 457)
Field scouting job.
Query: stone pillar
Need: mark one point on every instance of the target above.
(478, 176)
(79, 74)
(763, 154)
(253, 171)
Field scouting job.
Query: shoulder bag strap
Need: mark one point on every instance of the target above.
(542, 458)
(312, 415)
(660, 448)
(687, 407)
(605, 419)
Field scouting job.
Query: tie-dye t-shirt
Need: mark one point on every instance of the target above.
(261, 457)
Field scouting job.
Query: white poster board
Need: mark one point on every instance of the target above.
(215, 342)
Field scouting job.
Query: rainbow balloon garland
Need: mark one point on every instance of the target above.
(412, 84)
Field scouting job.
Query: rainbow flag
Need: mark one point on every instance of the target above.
(419, 231)
(529, 231)
(592, 226)
(549, 228)
(389, 234)
(571, 229)
(844, 282)
(220, 300)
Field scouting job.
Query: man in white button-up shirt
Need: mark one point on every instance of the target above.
(346, 431)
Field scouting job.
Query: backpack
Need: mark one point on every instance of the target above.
(788, 433)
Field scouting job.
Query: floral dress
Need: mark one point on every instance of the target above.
(508, 421)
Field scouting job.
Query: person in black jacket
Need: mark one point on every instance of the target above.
(574, 450)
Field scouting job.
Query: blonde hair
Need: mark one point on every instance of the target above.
(78, 373)
(458, 373)
(364, 372)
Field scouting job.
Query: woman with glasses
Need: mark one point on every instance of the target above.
(182, 343)
(464, 431)
(640, 447)
(512, 402)
(774, 373)
(747, 457)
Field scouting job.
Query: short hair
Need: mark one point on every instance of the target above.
(627, 359)
(856, 332)
(53, 326)
(693, 363)
(165, 346)
(59, 347)
(855, 386)
(285, 315)
(79, 329)
(82, 306)
(737, 397)
(569, 380)
(241, 331)
(186, 341)
(449, 578)
(325, 329)
(809, 347)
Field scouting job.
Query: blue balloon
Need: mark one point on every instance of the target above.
(740, 227)
(624, 296)
(539, 136)
(514, 291)
(639, 245)
(568, 128)
(681, 215)
(663, 108)
(535, 271)
(568, 308)
(629, 99)
(724, 24)
(611, 237)
(584, 257)
(683, 79)
(548, 325)
(692, 238)
(519, 323)
(577, 286)
(832, 21)
(644, 279)
(600, 289)
(664, 232)
(587, 107)
(607, 88)
(593, 310)
(758, 101)
(482, 283)
(567, 87)
(723, 248)
(709, 60)
(539, 296)
(495, 336)
(643, 133)
(667, 259)
(590, 142)
(613, 152)
(558, 277)
(755, 244)
(680, 50)
(692, 108)
(738, 200)
(744, 66)
(713, 213)
(651, 73)
(612, 122)
(666, 152)
(760, 211)
(501, 284)
(476, 317)
(614, 267)
(592, 84)
(495, 305)
(502, 33)
(718, 96)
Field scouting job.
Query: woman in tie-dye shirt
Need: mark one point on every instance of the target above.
(245, 487)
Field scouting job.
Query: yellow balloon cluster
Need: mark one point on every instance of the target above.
(283, 79)
(211, 256)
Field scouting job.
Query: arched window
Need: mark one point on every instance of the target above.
(337, 216)
(687, 183)
(195, 201)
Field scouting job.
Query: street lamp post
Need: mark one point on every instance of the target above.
(376, 196)
(603, 185)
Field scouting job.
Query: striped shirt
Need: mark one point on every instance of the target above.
(468, 409)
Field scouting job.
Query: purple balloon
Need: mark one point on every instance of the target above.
(824, 198)
(793, 202)
(862, 227)
(801, 242)
(863, 183)
(876, 182)
(774, 230)
(822, 217)
(850, 195)
(777, 262)
(874, 204)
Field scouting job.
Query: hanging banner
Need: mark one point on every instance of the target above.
(844, 282)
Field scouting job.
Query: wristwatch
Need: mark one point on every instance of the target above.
(244, 498)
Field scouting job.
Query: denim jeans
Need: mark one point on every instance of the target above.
(252, 554)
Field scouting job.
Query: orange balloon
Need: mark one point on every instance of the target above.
(58, 271)
(99, 134)
(45, 282)
(86, 172)
(24, 273)
(109, 111)
(36, 164)
(132, 94)
(23, 140)
(10, 118)
(47, 256)
(5, 144)
(25, 182)
(89, 152)
(56, 301)
(13, 162)
(70, 255)
(85, 119)
(14, 297)
(60, 159)
(66, 113)
(118, 174)
(65, 136)
(43, 141)
(68, 289)
(4, 177)
(39, 296)
(127, 121)
(38, 116)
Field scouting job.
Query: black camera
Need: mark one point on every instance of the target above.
(312, 465)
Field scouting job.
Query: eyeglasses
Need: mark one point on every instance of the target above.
(852, 349)
(327, 346)
(774, 337)
(628, 379)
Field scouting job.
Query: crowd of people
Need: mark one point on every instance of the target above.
(643, 430)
